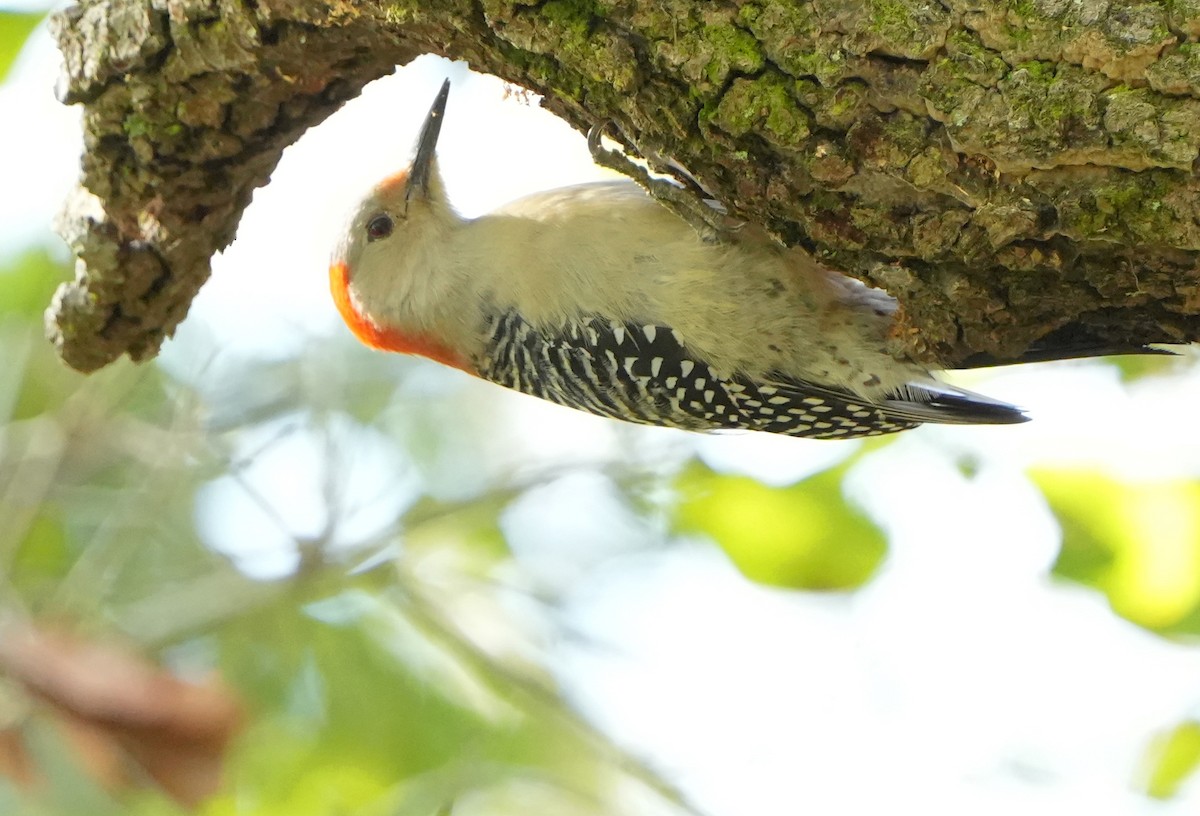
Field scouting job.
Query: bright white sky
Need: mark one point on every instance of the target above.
(960, 679)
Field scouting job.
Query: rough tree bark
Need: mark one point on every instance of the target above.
(1011, 171)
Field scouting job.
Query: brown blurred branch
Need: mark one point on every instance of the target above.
(113, 705)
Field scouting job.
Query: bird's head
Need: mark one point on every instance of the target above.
(385, 274)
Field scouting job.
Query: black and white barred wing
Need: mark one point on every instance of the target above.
(626, 371)
(644, 373)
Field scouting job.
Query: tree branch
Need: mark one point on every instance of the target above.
(1010, 172)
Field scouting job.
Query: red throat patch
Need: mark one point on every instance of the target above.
(380, 337)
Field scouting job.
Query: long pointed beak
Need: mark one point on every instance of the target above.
(422, 163)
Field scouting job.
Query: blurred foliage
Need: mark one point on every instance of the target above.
(382, 673)
(15, 28)
(1139, 544)
(1134, 367)
(304, 529)
(806, 536)
(1171, 759)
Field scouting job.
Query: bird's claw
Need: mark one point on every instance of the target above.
(686, 199)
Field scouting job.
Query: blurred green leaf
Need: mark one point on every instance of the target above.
(1171, 758)
(1139, 544)
(38, 381)
(29, 280)
(967, 465)
(43, 557)
(470, 530)
(344, 698)
(15, 28)
(284, 771)
(806, 536)
(73, 790)
(380, 705)
(1134, 367)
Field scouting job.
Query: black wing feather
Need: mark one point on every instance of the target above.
(644, 373)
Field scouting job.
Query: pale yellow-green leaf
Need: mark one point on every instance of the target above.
(323, 789)
(805, 536)
(1171, 758)
(1138, 543)
(15, 27)
(1134, 367)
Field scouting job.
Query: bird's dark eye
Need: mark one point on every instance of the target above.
(379, 227)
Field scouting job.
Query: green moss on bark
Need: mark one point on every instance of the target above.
(965, 155)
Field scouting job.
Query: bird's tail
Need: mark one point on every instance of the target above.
(950, 405)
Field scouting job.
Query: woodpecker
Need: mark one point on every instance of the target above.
(599, 298)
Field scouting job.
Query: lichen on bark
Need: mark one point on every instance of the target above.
(1009, 171)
